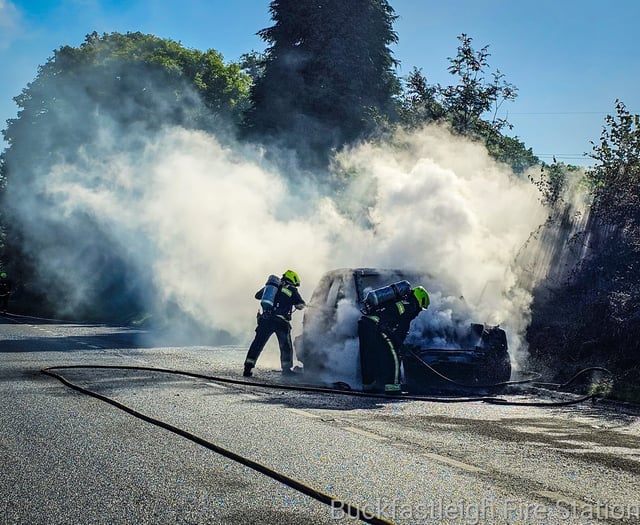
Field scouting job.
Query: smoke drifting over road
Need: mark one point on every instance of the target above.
(200, 223)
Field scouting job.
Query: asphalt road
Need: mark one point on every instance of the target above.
(70, 458)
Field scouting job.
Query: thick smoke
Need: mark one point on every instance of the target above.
(199, 220)
(438, 205)
(202, 222)
(443, 205)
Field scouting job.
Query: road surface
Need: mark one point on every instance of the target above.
(70, 458)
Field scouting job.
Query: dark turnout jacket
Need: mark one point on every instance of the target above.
(285, 301)
(394, 318)
(5, 287)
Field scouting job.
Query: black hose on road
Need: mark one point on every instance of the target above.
(323, 390)
(351, 510)
(500, 401)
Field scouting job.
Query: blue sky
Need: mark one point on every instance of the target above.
(569, 59)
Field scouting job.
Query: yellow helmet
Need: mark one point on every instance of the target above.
(422, 296)
(292, 277)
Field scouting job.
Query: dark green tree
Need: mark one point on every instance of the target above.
(594, 315)
(328, 77)
(615, 176)
(252, 64)
(614, 228)
(552, 183)
(420, 103)
(109, 94)
(509, 150)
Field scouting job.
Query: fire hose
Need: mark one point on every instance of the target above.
(499, 401)
(349, 509)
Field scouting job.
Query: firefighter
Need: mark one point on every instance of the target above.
(381, 333)
(276, 320)
(5, 291)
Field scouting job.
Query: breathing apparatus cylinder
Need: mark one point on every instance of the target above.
(269, 293)
(392, 292)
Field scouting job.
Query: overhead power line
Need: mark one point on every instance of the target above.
(562, 155)
(612, 113)
(559, 112)
(565, 157)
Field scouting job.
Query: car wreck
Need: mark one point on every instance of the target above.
(444, 350)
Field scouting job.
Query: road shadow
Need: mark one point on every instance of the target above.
(304, 393)
(110, 381)
(73, 343)
(269, 390)
(114, 337)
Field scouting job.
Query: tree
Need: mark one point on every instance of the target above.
(615, 177)
(134, 78)
(252, 64)
(509, 150)
(328, 73)
(553, 183)
(474, 96)
(470, 107)
(615, 215)
(130, 84)
(420, 103)
(594, 315)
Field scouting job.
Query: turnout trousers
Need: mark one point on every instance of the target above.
(267, 326)
(379, 359)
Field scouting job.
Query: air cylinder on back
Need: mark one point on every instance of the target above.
(392, 292)
(269, 292)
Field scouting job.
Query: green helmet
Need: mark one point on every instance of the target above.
(422, 296)
(3, 275)
(292, 277)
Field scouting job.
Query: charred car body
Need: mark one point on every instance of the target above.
(441, 353)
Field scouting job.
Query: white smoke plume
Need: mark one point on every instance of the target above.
(444, 207)
(206, 222)
(198, 217)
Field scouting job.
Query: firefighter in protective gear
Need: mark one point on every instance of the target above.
(381, 334)
(276, 320)
(5, 291)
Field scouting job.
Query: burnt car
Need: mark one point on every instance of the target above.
(444, 351)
